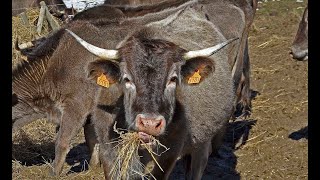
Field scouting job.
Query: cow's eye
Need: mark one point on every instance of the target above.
(173, 79)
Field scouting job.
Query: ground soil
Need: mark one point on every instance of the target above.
(271, 144)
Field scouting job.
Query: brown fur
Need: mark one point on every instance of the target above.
(230, 27)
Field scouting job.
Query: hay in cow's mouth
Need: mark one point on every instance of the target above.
(127, 162)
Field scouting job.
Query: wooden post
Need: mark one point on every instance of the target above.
(51, 20)
(41, 16)
(24, 18)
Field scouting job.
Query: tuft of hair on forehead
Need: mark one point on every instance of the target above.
(150, 54)
(148, 46)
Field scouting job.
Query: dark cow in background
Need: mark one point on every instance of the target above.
(56, 7)
(299, 48)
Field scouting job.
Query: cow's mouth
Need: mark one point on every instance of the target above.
(146, 139)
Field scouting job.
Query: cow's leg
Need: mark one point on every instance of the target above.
(242, 83)
(92, 143)
(199, 159)
(167, 164)
(217, 140)
(23, 114)
(106, 167)
(71, 121)
(245, 93)
(107, 156)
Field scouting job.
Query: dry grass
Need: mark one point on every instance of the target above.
(26, 33)
(127, 163)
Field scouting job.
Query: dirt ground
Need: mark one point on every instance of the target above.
(271, 144)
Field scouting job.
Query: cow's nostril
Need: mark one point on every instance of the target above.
(141, 122)
(158, 124)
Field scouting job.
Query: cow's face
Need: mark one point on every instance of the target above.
(150, 73)
(150, 70)
(299, 49)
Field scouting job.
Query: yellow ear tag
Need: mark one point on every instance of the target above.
(195, 78)
(103, 81)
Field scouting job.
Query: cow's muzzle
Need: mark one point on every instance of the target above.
(149, 125)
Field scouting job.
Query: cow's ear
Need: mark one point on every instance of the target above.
(195, 70)
(103, 72)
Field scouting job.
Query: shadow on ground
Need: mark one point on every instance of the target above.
(30, 153)
(220, 166)
(223, 164)
(302, 133)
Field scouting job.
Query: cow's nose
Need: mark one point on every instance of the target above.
(153, 125)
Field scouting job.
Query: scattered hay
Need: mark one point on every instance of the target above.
(33, 142)
(26, 33)
(127, 163)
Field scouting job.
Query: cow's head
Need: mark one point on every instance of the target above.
(150, 70)
(299, 48)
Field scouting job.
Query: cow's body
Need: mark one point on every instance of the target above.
(201, 111)
(240, 15)
(299, 47)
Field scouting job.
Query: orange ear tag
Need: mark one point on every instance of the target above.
(103, 81)
(195, 78)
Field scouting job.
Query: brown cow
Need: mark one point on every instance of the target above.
(149, 91)
(299, 47)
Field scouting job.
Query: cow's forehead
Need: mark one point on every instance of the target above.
(154, 68)
(150, 57)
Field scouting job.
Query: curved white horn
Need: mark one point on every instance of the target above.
(100, 52)
(208, 51)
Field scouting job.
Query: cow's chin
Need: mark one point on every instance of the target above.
(146, 139)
